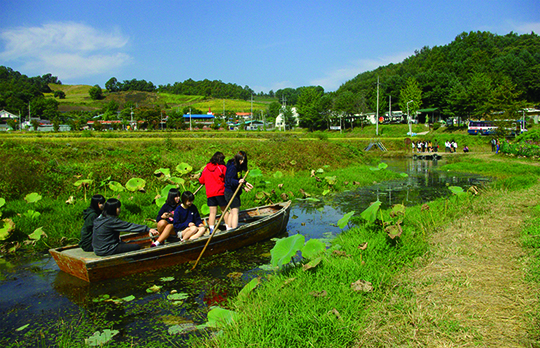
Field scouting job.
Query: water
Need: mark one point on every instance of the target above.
(33, 290)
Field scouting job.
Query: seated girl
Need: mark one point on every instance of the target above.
(90, 214)
(187, 221)
(107, 228)
(165, 216)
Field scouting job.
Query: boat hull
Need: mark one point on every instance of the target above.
(260, 223)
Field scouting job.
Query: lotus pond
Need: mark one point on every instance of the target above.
(42, 306)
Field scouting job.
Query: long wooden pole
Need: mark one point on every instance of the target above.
(216, 226)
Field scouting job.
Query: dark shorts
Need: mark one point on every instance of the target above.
(216, 201)
(236, 201)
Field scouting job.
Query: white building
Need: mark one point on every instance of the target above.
(280, 122)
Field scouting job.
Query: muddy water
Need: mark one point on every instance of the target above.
(34, 292)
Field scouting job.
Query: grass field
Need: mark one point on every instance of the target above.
(78, 99)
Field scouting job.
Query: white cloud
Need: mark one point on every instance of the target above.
(66, 49)
(336, 78)
(527, 28)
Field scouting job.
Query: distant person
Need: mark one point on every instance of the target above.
(187, 220)
(235, 166)
(493, 144)
(213, 177)
(498, 146)
(165, 216)
(90, 214)
(447, 146)
(107, 228)
(466, 149)
(454, 143)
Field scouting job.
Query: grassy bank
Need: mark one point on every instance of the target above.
(322, 308)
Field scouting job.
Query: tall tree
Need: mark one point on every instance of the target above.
(412, 92)
(308, 107)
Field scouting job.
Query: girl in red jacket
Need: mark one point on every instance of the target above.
(213, 177)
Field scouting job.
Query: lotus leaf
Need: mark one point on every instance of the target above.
(249, 287)
(32, 197)
(135, 184)
(458, 191)
(7, 226)
(285, 249)
(128, 298)
(278, 174)
(313, 248)
(370, 214)
(345, 219)
(99, 339)
(293, 162)
(166, 279)
(163, 171)
(383, 165)
(325, 192)
(404, 175)
(160, 201)
(319, 171)
(2, 202)
(176, 180)
(177, 297)
(37, 234)
(116, 186)
(331, 180)
(184, 168)
(165, 191)
(154, 288)
(205, 210)
(218, 317)
(312, 264)
(83, 182)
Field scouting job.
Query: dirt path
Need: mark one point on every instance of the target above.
(471, 292)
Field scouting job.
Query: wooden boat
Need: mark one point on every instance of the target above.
(255, 224)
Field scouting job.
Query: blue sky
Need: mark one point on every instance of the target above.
(267, 45)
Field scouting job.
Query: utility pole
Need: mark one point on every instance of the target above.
(377, 128)
(190, 119)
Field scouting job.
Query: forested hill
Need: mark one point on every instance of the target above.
(462, 72)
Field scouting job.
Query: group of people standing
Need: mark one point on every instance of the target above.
(425, 146)
(178, 217)
(450, 146)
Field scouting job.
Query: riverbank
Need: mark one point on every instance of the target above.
(460, 278)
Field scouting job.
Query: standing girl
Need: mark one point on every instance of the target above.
(213, 177)
(165, 216)
(187, 221)
(90, 214)
(232, 180)
(107, 228)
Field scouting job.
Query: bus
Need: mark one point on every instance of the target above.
(490, 127)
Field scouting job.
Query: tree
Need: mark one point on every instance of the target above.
(505, 102)
(411, 92)
(273, 110)
(60, 94)
(308, 107)
(95, 93)
(112, 85)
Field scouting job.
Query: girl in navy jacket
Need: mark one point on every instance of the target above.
(187, 221)
(232, 180)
